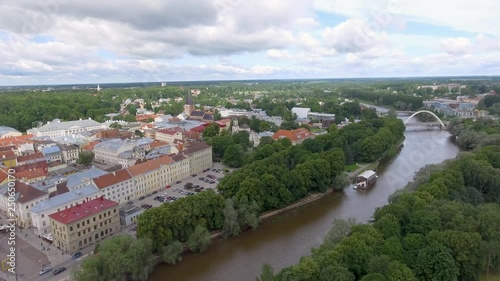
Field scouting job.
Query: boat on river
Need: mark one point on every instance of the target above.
(365, 180)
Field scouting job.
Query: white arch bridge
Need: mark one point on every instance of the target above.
(440, 122)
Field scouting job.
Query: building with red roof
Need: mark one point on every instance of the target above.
(296, 136)
(84, 224)
(117, 186)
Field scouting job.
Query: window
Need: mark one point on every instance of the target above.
(70, 228)
(77, 225)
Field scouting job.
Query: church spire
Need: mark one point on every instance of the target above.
(189, 100)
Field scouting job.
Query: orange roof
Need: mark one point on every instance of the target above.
(145, 117)
(112, 178)
(150, 165)
(31, 174)
(90, 146)
(30, 157)
(82, 211)
(16, 140)
(157, 143)
(295, 135)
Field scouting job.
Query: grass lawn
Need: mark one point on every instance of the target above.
(351, 168)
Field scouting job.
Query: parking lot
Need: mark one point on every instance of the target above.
(200, 182)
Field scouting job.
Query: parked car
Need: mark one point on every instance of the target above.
(45, 270)
(161, 199)
(142, 198)
(76, 255)
(164, 194)
(130, 203)
(178, 182)
(156, 191)
(59, 270)
(194, 175)
(168, 186)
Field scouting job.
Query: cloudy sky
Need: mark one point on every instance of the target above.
(98, 41)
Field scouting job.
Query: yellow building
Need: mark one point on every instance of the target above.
(84, 224)
(199, 155)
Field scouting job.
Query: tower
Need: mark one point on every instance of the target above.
(98, 88)
(189, 105)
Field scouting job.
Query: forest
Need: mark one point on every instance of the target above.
(445, 225)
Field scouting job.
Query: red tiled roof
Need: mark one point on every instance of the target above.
(26, 193)
(150, 165)
(90, 146)
(145, 117)
(36, 165)
(112, 178)
(31, 174)
(82, 211)
(295, 135)
(157, 143)
(7, 155)
(30, 157)
(16, 140)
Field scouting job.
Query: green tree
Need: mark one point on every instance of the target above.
(436, 263)
(267, 273)
(211, 131)
(115, 125)
(242, 138)
(171, 253)
(199, 240)
(231, 226)
(85, 157)
(233, 156)
(337, 273)
(139, 133)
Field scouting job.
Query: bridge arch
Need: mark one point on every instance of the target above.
(426, 111)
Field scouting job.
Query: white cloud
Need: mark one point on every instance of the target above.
(352, 36)
(278, 54)
(459, 45)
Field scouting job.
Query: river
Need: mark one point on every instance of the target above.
(282, 240)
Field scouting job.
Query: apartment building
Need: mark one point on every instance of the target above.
(69, 153)
(199, 155)
(58, 128)
(151, 175)
(84, 224)
(169, 135)
(117, 186)
(52, 154)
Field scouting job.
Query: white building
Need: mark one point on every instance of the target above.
(52, 154)
(58, 128)
(26, 197)
(40, 212)
(301, 112)
(121, 152)
(117, 186)
(7, 132)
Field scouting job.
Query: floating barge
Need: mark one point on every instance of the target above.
(366, 180)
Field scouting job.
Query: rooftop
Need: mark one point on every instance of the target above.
(78, 178)
(367, 174)
(4, 130)
(30, 157)
(24, 192)
(112, 178)
(57, 124)
(50, 150)
(126, 210)
(195, 147)
(82, 211)
(65, 198)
